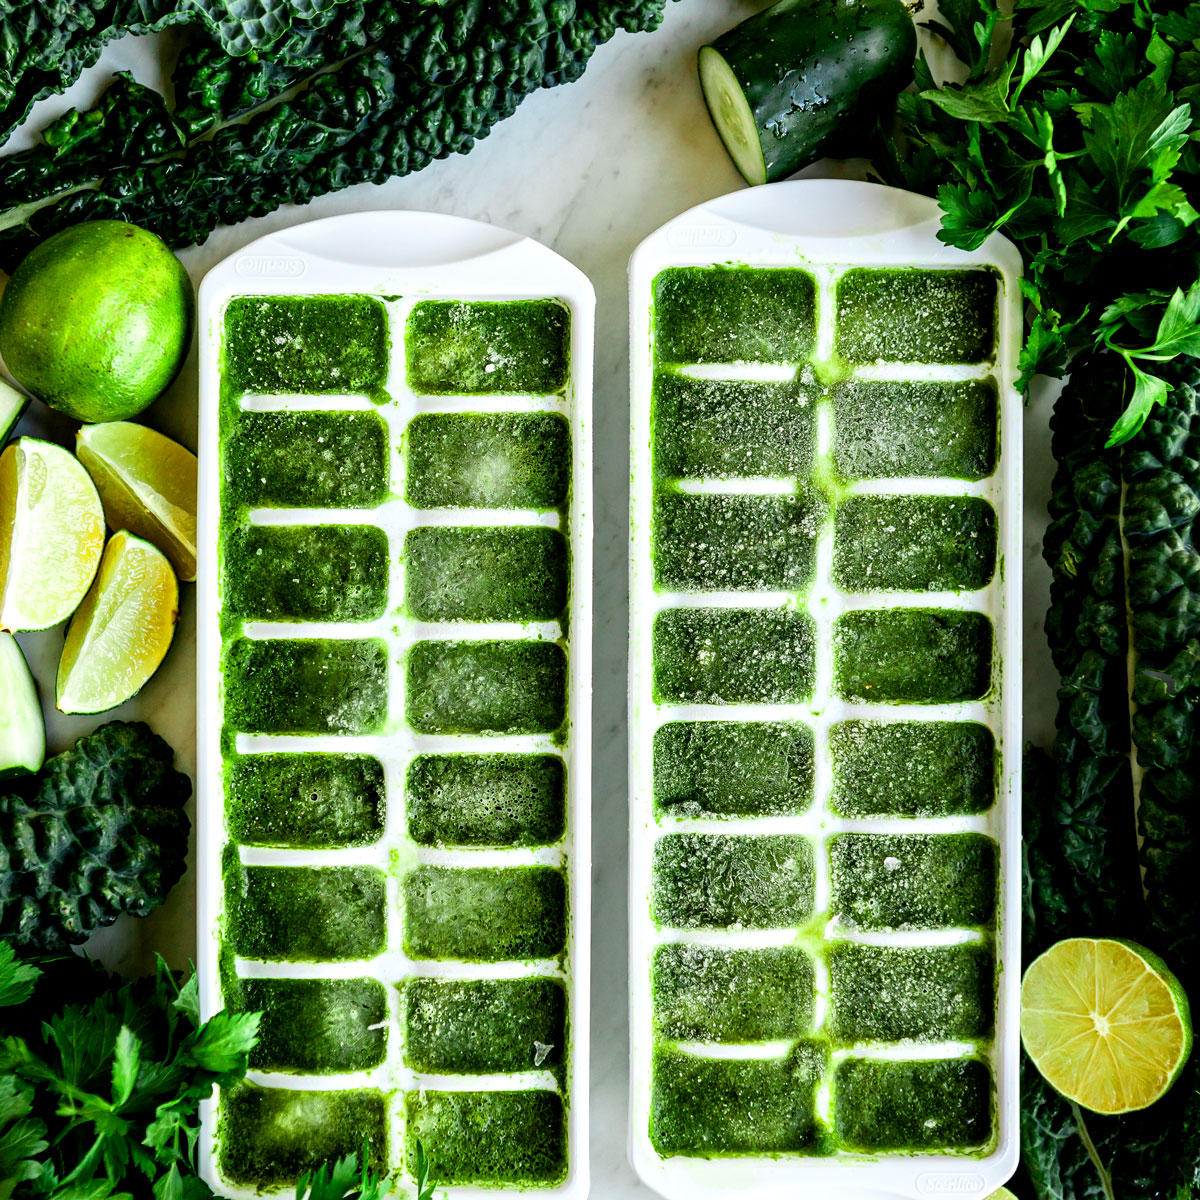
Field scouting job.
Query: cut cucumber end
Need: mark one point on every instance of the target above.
(22, 731)
(732, 115)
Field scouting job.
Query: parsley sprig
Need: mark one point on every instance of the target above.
(1076, 133)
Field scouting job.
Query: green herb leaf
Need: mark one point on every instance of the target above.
(126, 1060)
(17, 979)
(1148, 390)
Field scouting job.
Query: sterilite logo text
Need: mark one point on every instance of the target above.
(950, 1185)
(258, 266)
(703, 235)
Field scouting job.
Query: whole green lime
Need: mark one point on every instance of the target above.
(97, 319)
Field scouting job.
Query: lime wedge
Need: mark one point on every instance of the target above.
(1002, 1194)
(22, 732)
(51, 534)
(12, 405)
(122, 630)
(148, 485)
(1106, 1023)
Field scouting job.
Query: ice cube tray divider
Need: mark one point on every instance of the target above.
(405, 258)
(823, 226)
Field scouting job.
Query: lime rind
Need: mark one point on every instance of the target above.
(1106, 1023)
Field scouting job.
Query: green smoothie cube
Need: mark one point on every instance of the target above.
(305, 914)
(734, 314)
(733, 656)
(710, 1106)
(912, 768)
(914, 543)
(732, 768)
(913, 880)
(306, 344)
(506, 573)
(942, 1104)
(918, 993)
(269, 1137)
(731, 429)
(485, 914)
(307, 459)
(487, 1138)
(885, 428)
(461, 347)
(311, 685)
(479, 1026)
(305, 572)
(712, 994)
(704, 542)
(912, 655)
(493, 687)
(898, 314)
(715, 880)
(315, 1026)
(304, 800)
(486, 799)
(488, 460)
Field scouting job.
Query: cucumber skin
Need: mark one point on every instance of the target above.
(815, 71)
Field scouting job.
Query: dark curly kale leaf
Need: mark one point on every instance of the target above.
(99, 832)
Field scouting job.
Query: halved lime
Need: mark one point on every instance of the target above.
(122, 630)
(22, 731)
(1106, 1023)
(148, 485)
(51, 534)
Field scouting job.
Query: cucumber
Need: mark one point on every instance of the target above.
(12, 405)
(22, 732)
(804, 76)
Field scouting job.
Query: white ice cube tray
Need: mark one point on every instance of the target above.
(825, 227)
(405, 257)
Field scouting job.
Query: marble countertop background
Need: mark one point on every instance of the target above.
(589, 169)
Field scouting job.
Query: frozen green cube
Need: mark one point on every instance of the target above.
(315, 1026)
(488, 460)
(732, 429)
(492, 687)
(734, 314)
(457, 347)
(475, 347)
(310, 685)
(307, 459)
(912, 768)
(709, 542)
(943, 1104)
(479, 1026)
(918, 993)
(305, 572)
(899, 314)
(506, 573)
(304, 914)
(486, 799)
(733, 656)
(710, 1106)
(888, 428)
(913, 543)
(732, 768)
(269, 1137)
(304, 800)
(713, 994)
(311, 345)
(914, 880)
(912, 655)
(487, 1138)
(716, 880)
(485, 914)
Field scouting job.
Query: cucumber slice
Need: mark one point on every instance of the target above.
(806, 77)
(12, 405)
(22, 732)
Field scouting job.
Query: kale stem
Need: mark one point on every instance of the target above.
(1093, 1153)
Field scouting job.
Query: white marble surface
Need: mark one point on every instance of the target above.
(589, 169)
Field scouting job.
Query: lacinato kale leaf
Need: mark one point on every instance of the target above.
(347, 92)
(1074, 134)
